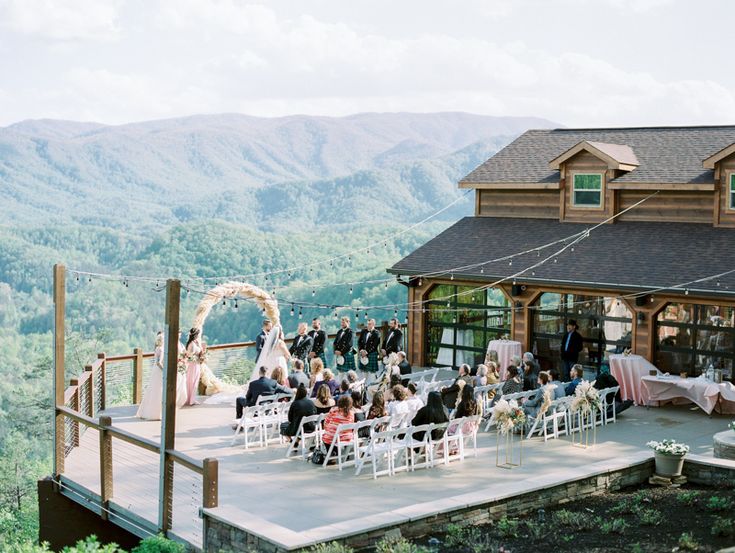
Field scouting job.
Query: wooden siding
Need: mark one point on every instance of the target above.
(685, 207)
(585, 162)
(528, 204)
(724, 217)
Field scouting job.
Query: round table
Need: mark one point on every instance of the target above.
(725, 445)
(629, 371)
(506, 350)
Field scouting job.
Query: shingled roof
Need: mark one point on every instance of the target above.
(631, 256)
(665, 154)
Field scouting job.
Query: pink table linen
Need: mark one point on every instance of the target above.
(679, 390)
(506, 350)
(726, 405)
(628, 370)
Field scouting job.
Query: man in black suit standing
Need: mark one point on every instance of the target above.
(571, 346)
(319, 338)
(394, 340)
(302, 344)
(264, 386)
(260, 340)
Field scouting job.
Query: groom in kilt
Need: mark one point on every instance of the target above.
(343, 346)
(368, 344)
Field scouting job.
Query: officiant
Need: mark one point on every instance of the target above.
(302, 344)
(367, 345)
(319, 338)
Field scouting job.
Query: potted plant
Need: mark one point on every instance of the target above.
(669, 457)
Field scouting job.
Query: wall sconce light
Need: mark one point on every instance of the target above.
(641, 317)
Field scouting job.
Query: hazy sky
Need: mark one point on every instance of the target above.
(577, 62)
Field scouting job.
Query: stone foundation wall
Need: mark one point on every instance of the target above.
(710, 473)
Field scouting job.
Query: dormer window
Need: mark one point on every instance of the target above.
(587, 190)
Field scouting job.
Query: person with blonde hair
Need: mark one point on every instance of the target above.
(317, 371)
(150, 406)
(329, 381)
(324, 400)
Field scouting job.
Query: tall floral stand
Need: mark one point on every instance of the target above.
(511, 445)
(586, 431)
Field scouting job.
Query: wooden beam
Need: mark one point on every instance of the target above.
(510, 185)
(137, 376)
(210, 488)
(675, 186)
(105, 465)
(59, 380)
(168, 410)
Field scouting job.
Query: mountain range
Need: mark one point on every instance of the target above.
(266, 173)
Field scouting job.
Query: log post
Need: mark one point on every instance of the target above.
(103, 380)
(89, 390)
(75, 402)
(105, 465)
(168, 411)
(59, 316)
(210, 488)
(137, 376)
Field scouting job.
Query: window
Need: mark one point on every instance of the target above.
(459, 327)
(605, 324)
(587, 190)
(731, 192)
(692, 337)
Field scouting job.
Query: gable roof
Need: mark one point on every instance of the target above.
(617, 156)
(709, 163)
(664, 154)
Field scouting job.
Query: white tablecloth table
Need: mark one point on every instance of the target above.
(707, 395)
(628, 370)
(506, 350)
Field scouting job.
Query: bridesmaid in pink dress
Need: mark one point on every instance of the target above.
(193, 368)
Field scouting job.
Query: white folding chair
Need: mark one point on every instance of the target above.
(436, 440)
(301, 442)
(419, 446)
(248, 424)
(452, 443)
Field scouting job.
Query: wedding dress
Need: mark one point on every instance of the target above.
(150, 406)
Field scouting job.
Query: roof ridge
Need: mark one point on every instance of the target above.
(652, 128)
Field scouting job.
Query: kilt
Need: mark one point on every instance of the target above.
(372, 364)
(349, 364)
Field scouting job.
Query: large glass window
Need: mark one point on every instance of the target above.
(690, 338)
(606, 326)
(731, 196)
(587, 190)
(460, 323)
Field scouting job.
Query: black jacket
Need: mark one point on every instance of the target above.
(301, 346)
(422, 417)
(264, 387)
(449, 395)
(299, 409)
(576, 345)
(368, 340)
(319, 337)
(343, 341)
(259, 341)
(393, 341)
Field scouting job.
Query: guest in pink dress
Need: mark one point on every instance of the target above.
(193, 367)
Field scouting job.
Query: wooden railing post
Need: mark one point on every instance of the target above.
(103, 380)
(105, 465)
(89, 391)
(59, 380)
(210, 494)
(74, 383)
(168, 412)
(137, 376)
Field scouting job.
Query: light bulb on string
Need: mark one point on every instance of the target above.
(386, 284)
(514, 282)
(292, 311)
(90, 278)
(451, 277)
(555, 260)
(224, 303)
(77, 277)
(366, 315)
(420, 281)
(350, 289)
(718, 283)
(510, 263)
(686, 292)
(395, 313)
(235, 303)
(651, 299)
(300, 313)
(313, 293)
(482, 270)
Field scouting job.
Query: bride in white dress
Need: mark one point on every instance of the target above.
(150, 406)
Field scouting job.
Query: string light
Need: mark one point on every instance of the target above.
(292, 311)
(235, 303)
(300, 313)
(350, 289)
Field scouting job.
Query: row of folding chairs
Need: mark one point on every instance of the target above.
(422, 376)
(260, 424)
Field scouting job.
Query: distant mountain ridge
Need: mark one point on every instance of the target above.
(243, 169)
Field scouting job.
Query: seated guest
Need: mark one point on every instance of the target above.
(343, 390)
(513, 384)
(298, 376)
(377, 408)
(433, 412)
(279, 375)
(357, 406)
(576, 374)
(395, 380)
(467, 404)
(317, 371)
(339, 414)
(264, 386)
(528, 357)
(529, 376)
(518, 362)
(301, 407)
(399, 406)
(491, 357)
(324, 401)
(328, 381)
(606, 380)
(403, 366)
(559, 390)
(414, 401)
(493, 376)
(481, 378)
(450, 394)
(532, 405)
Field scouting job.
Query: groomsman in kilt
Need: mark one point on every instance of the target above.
(319, 337)
(368, 344)
(302, 344)
(343, 347)
(393, 340)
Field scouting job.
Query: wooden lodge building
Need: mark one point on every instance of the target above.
(640, 280)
